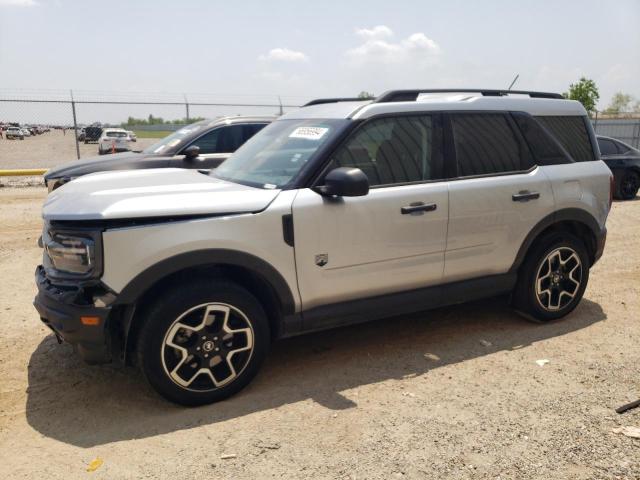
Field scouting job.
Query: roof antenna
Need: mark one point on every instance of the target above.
(514, 81)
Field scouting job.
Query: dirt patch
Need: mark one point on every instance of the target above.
(452, 393)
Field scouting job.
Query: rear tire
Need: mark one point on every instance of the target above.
(627, 184)
(553, 277)
(203, 342)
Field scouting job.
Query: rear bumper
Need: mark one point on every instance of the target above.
(61, 309)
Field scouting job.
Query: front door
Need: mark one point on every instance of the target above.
(392, 239)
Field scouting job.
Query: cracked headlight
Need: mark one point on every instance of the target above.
(73, 255)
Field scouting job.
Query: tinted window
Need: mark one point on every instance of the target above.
(485, 144)
(230, 139)
(607, 147)
(545, 149)
(221, 140)
(208, 143)
(572, 134)
(250, 129)
(394, 150)
(622, 148)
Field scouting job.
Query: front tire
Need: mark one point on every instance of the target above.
(553, 278)
(203, 342)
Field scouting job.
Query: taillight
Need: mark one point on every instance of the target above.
(612, 185)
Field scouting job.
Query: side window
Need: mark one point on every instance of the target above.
(607, 147)
(545, 149)
(250, 129)
(230, 139)
(485, 143)
(571, 132)
(394, 150)
(622, 148)
(208, 142)
(221, 140)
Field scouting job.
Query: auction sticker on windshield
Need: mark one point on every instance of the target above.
(309, 133)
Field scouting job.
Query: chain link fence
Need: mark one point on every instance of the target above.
(51, 124)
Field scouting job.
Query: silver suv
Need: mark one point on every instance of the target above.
(339, 212)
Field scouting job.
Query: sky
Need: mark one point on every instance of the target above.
(255, 51)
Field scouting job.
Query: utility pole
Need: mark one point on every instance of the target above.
(75, 124)
(186, 104)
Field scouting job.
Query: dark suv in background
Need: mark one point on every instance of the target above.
(624, 162)
(201, 145)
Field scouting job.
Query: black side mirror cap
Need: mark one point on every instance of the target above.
(191, 152)
(344, 182)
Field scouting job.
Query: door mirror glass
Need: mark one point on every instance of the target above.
(191, 152)
(344, 182)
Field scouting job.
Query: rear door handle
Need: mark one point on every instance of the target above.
(418, 207)
(525, 196)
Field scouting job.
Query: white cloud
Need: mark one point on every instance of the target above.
(18, 3)
(379, 48)
(283, 55)
(379, 31)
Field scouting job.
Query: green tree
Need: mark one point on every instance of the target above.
(620, 102)
(586, 92)
(364, 95)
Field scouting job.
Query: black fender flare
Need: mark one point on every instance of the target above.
(223, 257)
(563, 215)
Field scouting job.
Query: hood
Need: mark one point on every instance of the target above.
(152, 193)
(116, 161)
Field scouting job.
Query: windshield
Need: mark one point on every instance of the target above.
(168, 143)
(116, 134)
(275, 155)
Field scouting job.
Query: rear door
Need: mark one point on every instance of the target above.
(497, 196)
(391, 239)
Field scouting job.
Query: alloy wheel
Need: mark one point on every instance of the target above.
(207, 347)
(558, 278)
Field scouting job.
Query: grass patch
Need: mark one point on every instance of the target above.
(152, 134)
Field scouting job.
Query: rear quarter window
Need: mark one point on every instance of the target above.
(571, 132)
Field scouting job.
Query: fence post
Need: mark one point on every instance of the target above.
(186, 104)
(75, 125)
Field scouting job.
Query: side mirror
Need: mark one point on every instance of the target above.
(344, 182)
(191, 152)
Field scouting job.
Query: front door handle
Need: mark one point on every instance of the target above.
(525, 196)
(418, 207)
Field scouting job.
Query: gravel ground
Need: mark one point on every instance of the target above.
(50, 149)
(452, 393)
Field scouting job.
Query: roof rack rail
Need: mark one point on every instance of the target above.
(412, 95)
(320, 101)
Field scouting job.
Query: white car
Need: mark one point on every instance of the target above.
(14, 132)
(132, 136)
(25, 132)
(336, 213)
(113, 140)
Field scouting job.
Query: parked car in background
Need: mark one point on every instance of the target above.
(201, 145)
(132, 136)
(81, 135)
(92, 134)
(25, 132)
(113, 140)
(624, 162)
(14, 132)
